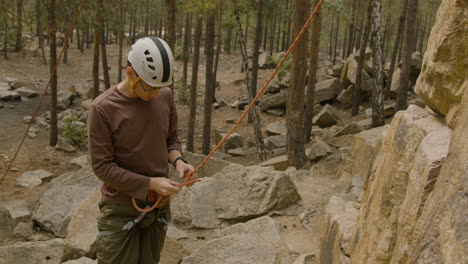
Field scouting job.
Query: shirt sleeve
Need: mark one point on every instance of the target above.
(103, 160)
(173, 141)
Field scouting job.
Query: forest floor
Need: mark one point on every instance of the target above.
(315, 189)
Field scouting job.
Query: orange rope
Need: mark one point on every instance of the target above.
(70, 32)
(188, 177)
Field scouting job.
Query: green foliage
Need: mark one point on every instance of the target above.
(74, 132)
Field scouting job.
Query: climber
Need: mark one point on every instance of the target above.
(132, 133)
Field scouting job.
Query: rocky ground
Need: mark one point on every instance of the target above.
(47, 198)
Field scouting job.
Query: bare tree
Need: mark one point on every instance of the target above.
(121, 37)
(209, 82)
(295, 101)
(396, 46)
(187, 38)
(261, 149)
(19, 25)
(377, 65)
(5, 25)
(97, 37)
(409, 48)
(105, 67)
(312, 78)
(193, 83)
(53, 73)
(170, 23)
(362, 51)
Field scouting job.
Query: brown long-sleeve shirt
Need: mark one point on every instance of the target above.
(129, 141)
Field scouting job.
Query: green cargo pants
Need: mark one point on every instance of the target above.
(142, 244)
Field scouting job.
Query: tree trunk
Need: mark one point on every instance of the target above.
(398, 40)
(409, 48)
(351, 30)
(105, 67)
(171, 23)
(377, 65)
(65, 48)
(362, 51)
(5, 25)
(336, 38)
(272, 34)
(246, 34)
(286, 19)
(257, 43)
(121, 37)
(343, 54)
(187, 38)
(209, 85)
(53, 73)
(261, 149)
(330, 42)
(295, 101)
(146, 17)
(97, 37)
(193, 83)
(19, 25)
(228, 40)
(218, 48)
(312, 78)
(265, 35)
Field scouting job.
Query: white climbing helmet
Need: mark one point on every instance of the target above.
(152, 60)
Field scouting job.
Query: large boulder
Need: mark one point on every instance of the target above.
(328, 116)
(340, 220)
(6, 228)
(346, 96)
(19, 210)
(82, 231)
(366, 80)
(43, 252)
(233, 141)
(64, 99)
(9, 95)
(211, 167)
(274, 101)
(443, 76)
(404, 152)
(33, 178)
(276, 128)
(64, 195)
(362, 153)
(233, 249)
(235, 193)
(327, 90)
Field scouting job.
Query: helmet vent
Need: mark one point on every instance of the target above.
(151, 67)
(147, 52)
(149, 59)
(154, 78)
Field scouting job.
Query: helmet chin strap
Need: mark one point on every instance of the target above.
(132, 85)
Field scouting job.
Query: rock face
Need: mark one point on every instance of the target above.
(443, 75)
(33, 178)
(341, 218)
(327, 90)
(82, 230)
(234, 194)
(410, 140)
(64, 195)
(44, 252)
(233, 249)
